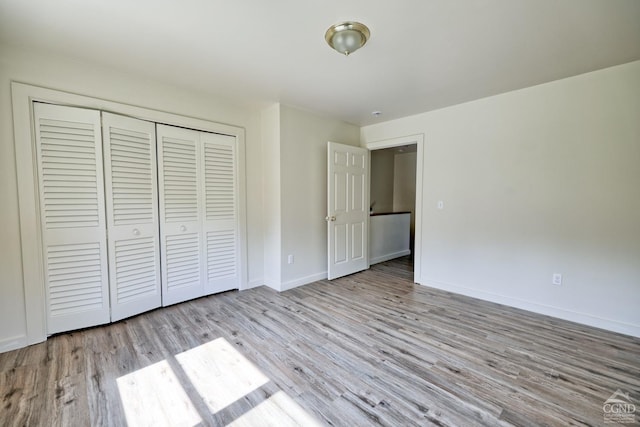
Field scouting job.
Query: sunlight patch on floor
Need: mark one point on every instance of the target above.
(278, 411)
(153, 396)
(173, 392)
(220, 374)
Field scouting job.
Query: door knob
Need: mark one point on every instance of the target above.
(330, 218)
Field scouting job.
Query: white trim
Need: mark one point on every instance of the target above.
(242, 210)
(23, 96)
(273, 284)
(387, 257)
(253, 284)
(560, 313)
(30, 233)
(13, 343)
(303, 281)
(285, 286)
(396, 142)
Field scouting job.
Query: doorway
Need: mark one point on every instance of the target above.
(396, 193)
(393, 188)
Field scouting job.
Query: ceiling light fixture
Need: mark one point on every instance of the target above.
(347, 37)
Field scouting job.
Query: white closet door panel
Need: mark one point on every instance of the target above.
(180, 177)
(75, 277)
(221, 259)
(132, 215)
(71, 190)
(220, 219)
(180, 190)
(183, 263)
(220, 182)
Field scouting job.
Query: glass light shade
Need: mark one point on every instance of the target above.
(347, 37)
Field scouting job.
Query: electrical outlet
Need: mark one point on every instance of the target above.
(557, 279)
(290, 259)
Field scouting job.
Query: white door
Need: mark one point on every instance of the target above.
(129, 147)
(220, 222)
(348, 212)
(180, 191)
(72, 214)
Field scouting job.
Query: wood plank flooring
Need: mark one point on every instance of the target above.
(367, 349)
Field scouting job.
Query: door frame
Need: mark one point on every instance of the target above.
(22, 98)
(417, 139)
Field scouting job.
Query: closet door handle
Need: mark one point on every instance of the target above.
(183, 228)
(136, 232)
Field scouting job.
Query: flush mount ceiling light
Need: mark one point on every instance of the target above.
(347, 37)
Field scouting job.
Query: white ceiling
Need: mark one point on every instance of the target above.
(422, 55)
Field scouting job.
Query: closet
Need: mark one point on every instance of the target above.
(198, 214)
(129, 148)
(134, 214)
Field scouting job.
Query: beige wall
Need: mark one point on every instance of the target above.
(382, 180)
(534, 182)
(304, 138)
(295, 192)
(272, 196)
(404, 187)
(69, 75)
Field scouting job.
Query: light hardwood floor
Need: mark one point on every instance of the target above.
(368, 349)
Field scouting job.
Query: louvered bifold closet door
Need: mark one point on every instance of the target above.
(132, 214)
(71, 191)
(220, 219)
(180, 191)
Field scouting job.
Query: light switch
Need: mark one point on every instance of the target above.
(440, 204)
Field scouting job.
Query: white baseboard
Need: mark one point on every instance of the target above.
(273, 284)
(13, 343)
(253, 284)
(387, 257)
(303, 281)
(561, 313)
(285, 286)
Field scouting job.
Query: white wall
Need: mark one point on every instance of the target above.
(67, 74)
(303, 168)
(389, 237)
(534, 182)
